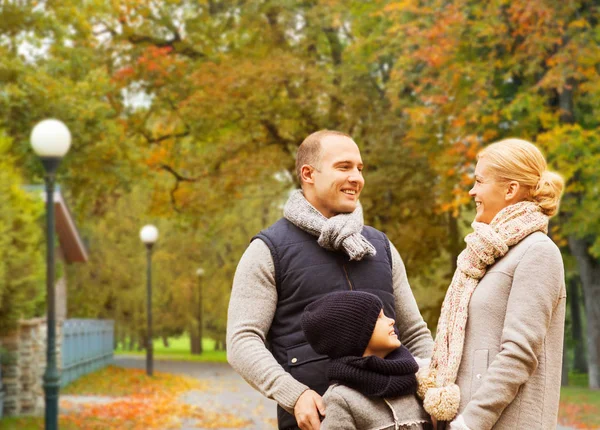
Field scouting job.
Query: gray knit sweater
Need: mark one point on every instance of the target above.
(252, 307)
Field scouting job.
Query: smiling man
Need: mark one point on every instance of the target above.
(321, 245)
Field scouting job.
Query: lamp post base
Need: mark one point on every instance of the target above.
(51, 391)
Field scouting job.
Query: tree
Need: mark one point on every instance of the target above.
(478, 72)
(22, 266)
(576, 152)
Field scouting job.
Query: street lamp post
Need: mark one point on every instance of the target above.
(149, 234)
(200, 309)
(50, 140)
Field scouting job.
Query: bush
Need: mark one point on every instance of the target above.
(21, 245)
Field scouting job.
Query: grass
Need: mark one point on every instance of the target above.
(179, 349)
(579, 406)
(23, 423)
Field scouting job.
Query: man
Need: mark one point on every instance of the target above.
(320, 246)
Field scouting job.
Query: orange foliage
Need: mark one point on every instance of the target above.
(143, 403)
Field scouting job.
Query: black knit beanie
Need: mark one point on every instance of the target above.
(341, 323)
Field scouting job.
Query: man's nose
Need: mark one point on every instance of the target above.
(356, 176)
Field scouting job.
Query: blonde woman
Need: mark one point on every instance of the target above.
(498, 352)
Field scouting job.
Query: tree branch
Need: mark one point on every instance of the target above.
(155, 140)
(175, 43)
(179, 177)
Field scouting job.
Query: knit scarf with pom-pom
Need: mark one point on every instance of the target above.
(485, 246)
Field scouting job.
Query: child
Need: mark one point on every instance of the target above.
(371, 375)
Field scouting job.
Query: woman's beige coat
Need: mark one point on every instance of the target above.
(510, 371)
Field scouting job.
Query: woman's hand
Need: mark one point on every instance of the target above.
(459, 424)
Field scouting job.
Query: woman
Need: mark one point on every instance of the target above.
(498, 350)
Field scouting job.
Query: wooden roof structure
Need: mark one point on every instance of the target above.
(71, 244)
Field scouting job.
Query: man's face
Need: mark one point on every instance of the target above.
(337, 179)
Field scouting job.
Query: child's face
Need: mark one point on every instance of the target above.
(384, 339)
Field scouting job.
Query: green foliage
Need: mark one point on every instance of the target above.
(6, 357)
(21, 244)
(189, 114)
(575, 152)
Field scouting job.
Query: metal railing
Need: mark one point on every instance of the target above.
(87, 345)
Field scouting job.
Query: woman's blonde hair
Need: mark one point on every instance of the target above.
(521, 161)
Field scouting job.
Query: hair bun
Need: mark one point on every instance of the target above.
(548, 191)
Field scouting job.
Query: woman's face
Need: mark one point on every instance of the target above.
(490, 196)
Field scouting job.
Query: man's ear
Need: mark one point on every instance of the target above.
(307, 174)
(512, 190)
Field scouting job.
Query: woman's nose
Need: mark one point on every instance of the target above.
(472, 192)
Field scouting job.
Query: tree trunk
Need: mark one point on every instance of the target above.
(131, 346)
(116, 337)
(197, 331)
(564, 380)
(579, 359)
(220, 344)
(165, 341)
(141, 342)
(195, 341)
(589, 270)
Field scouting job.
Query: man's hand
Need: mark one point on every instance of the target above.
(307, 410)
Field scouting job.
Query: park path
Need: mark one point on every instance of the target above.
(227, 392)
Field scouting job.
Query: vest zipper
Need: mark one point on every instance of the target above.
(347, 277)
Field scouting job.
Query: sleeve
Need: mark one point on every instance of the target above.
(338, 415)
(251, 309)
(535, 293)
(414, 333)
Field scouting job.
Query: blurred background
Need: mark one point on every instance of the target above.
(187, 115)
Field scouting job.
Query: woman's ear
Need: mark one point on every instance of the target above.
(307, 174)
(513, 189)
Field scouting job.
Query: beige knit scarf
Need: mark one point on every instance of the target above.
(341, 232)
(485, 245)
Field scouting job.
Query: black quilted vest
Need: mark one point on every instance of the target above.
(304, 271)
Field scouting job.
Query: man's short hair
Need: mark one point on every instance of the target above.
(309, 151)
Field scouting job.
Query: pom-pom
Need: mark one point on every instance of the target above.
(426, 379)
(442, 403)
